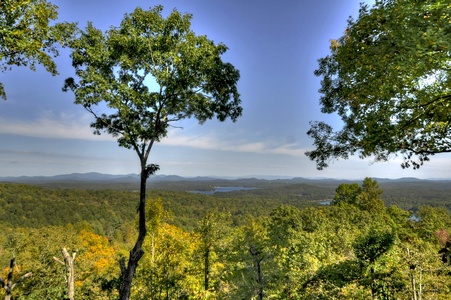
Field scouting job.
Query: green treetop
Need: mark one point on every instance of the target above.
(388, 79)
(26, 37)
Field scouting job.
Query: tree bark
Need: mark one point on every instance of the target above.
(9, 285)
(257, 263)
(414, 290)
(70, 277)
(207, 269)
(415, 295)
(136, 253)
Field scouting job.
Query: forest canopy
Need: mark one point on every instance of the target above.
(357, 247)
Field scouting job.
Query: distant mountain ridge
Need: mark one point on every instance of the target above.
(93, 176)
(129, 178)
(100, 177)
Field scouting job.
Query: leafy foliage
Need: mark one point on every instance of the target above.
(369, 248)
(167, 268)
(26, 36)
(367, 197)
(388, 79)
(152, 71)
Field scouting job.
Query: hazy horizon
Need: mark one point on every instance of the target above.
(265, 177)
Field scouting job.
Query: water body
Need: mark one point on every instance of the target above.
(223, 189)
(414, 218)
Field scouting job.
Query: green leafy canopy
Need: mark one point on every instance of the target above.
(151, 71)
(26, 36)
(388, 78)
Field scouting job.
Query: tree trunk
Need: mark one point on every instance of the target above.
(420, 288)
(414, 285)
(136, 253)
(412, 268)
(70, 273)
(373, 284)
(70, 277)
(257, 263)
(207, 268)
(153, 249)
(9, 285)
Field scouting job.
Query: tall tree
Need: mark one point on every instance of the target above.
(255, 253)
(212, 230)
(388, 79)
(150, 71)
(367, 197)
(27, 38)
(368, 250)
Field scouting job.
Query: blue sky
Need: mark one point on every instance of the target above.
(274, 44)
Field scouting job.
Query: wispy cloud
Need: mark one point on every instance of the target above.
(214, 141)
(66, 126)
(62, 126)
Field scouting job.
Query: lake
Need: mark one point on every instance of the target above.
(223, 189)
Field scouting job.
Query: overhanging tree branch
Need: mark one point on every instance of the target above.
(363, 75)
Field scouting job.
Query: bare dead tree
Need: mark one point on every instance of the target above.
(9, 285)
(70, 273)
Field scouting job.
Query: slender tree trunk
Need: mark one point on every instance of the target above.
(9, 283)
(136, 253)
(412, 268)
(414, 284)
(420, 288)
(373, 284)
(70, 274)
(153, 249)
(257, 263)
(414, 287)
(70, 277)
(207, 268)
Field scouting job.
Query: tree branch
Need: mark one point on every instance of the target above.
(22, 278)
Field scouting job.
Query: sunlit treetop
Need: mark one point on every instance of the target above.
(388, 78)
(27, 37)
(151, 71)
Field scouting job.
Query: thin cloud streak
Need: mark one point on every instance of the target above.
(212, 141)
(63, 126)
(74, 127)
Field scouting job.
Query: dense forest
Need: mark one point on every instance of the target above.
(277, 241)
